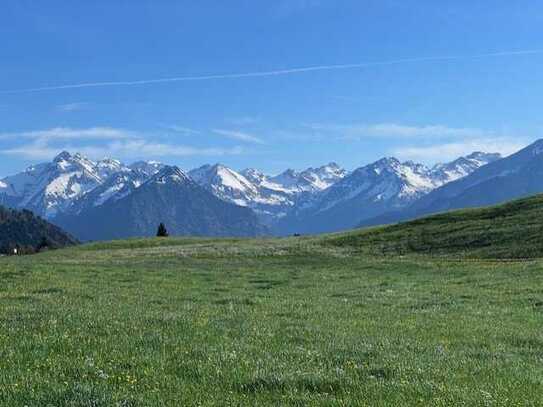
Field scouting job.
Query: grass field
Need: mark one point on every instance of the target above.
(298, 321)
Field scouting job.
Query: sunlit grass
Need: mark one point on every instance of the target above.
(266, 322)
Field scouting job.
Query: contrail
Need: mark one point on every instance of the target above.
(280, 72)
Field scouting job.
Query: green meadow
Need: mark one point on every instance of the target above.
(384, 317)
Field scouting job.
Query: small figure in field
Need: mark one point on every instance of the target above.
(162, 232)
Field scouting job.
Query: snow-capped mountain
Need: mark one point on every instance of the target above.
(462, 166)
(323, 177)
(115, 187)
(313, 200)
(107, 167)
(310, 180)
(516, 176)
(271, 197)
(148, 168)
(53, 188)
(369, 191)
(226, 184)
(48, 189)
(169, 196)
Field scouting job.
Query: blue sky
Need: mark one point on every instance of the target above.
(434, 80)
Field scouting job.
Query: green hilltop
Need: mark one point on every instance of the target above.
(511, 230)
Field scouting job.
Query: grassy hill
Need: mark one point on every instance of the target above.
(297, 321)
(512, 230)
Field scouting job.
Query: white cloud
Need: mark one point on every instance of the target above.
(67, 133)
(427, 143)
(453, 150)
(71, 107)
(123, 149)
(99, 142)
(151, 149)
(36, 150)
(238, 135)
(393, 130)
(181, 129)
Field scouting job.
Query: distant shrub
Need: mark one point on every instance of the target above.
(162, 232)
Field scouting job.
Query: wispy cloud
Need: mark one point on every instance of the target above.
(126, 149)
(271, 73)
(67, 133)
(427, 143)
(100, 142)
(393, 130)
(238, 135)
(450, 151)
(72, 107)
(181, 129)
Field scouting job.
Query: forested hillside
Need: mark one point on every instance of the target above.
(27, 233)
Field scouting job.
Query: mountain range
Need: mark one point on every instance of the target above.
(168, 196)
(516, 176)
(369, 191)
(271, 197)
(107, 199)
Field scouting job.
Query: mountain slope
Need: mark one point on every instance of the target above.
(170, 196)
(49, 189)
(511, 230)
(116, 187)
(270, 197)
(71, 182)
(24, 230)
(377, 188)
(226, 184)
(309, 180)
(148, 168)
(516, 176)
(367, 190)
(461, 167)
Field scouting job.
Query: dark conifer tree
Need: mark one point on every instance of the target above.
(162, 232)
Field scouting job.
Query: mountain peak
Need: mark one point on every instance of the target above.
(219, 166)
(252, 171)
(170, 174)
(147, 167)
(290, 173)
(483, 156)
(109, 161)
(253, 175)
(66, 156)
(62, 156)
(386, 162)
